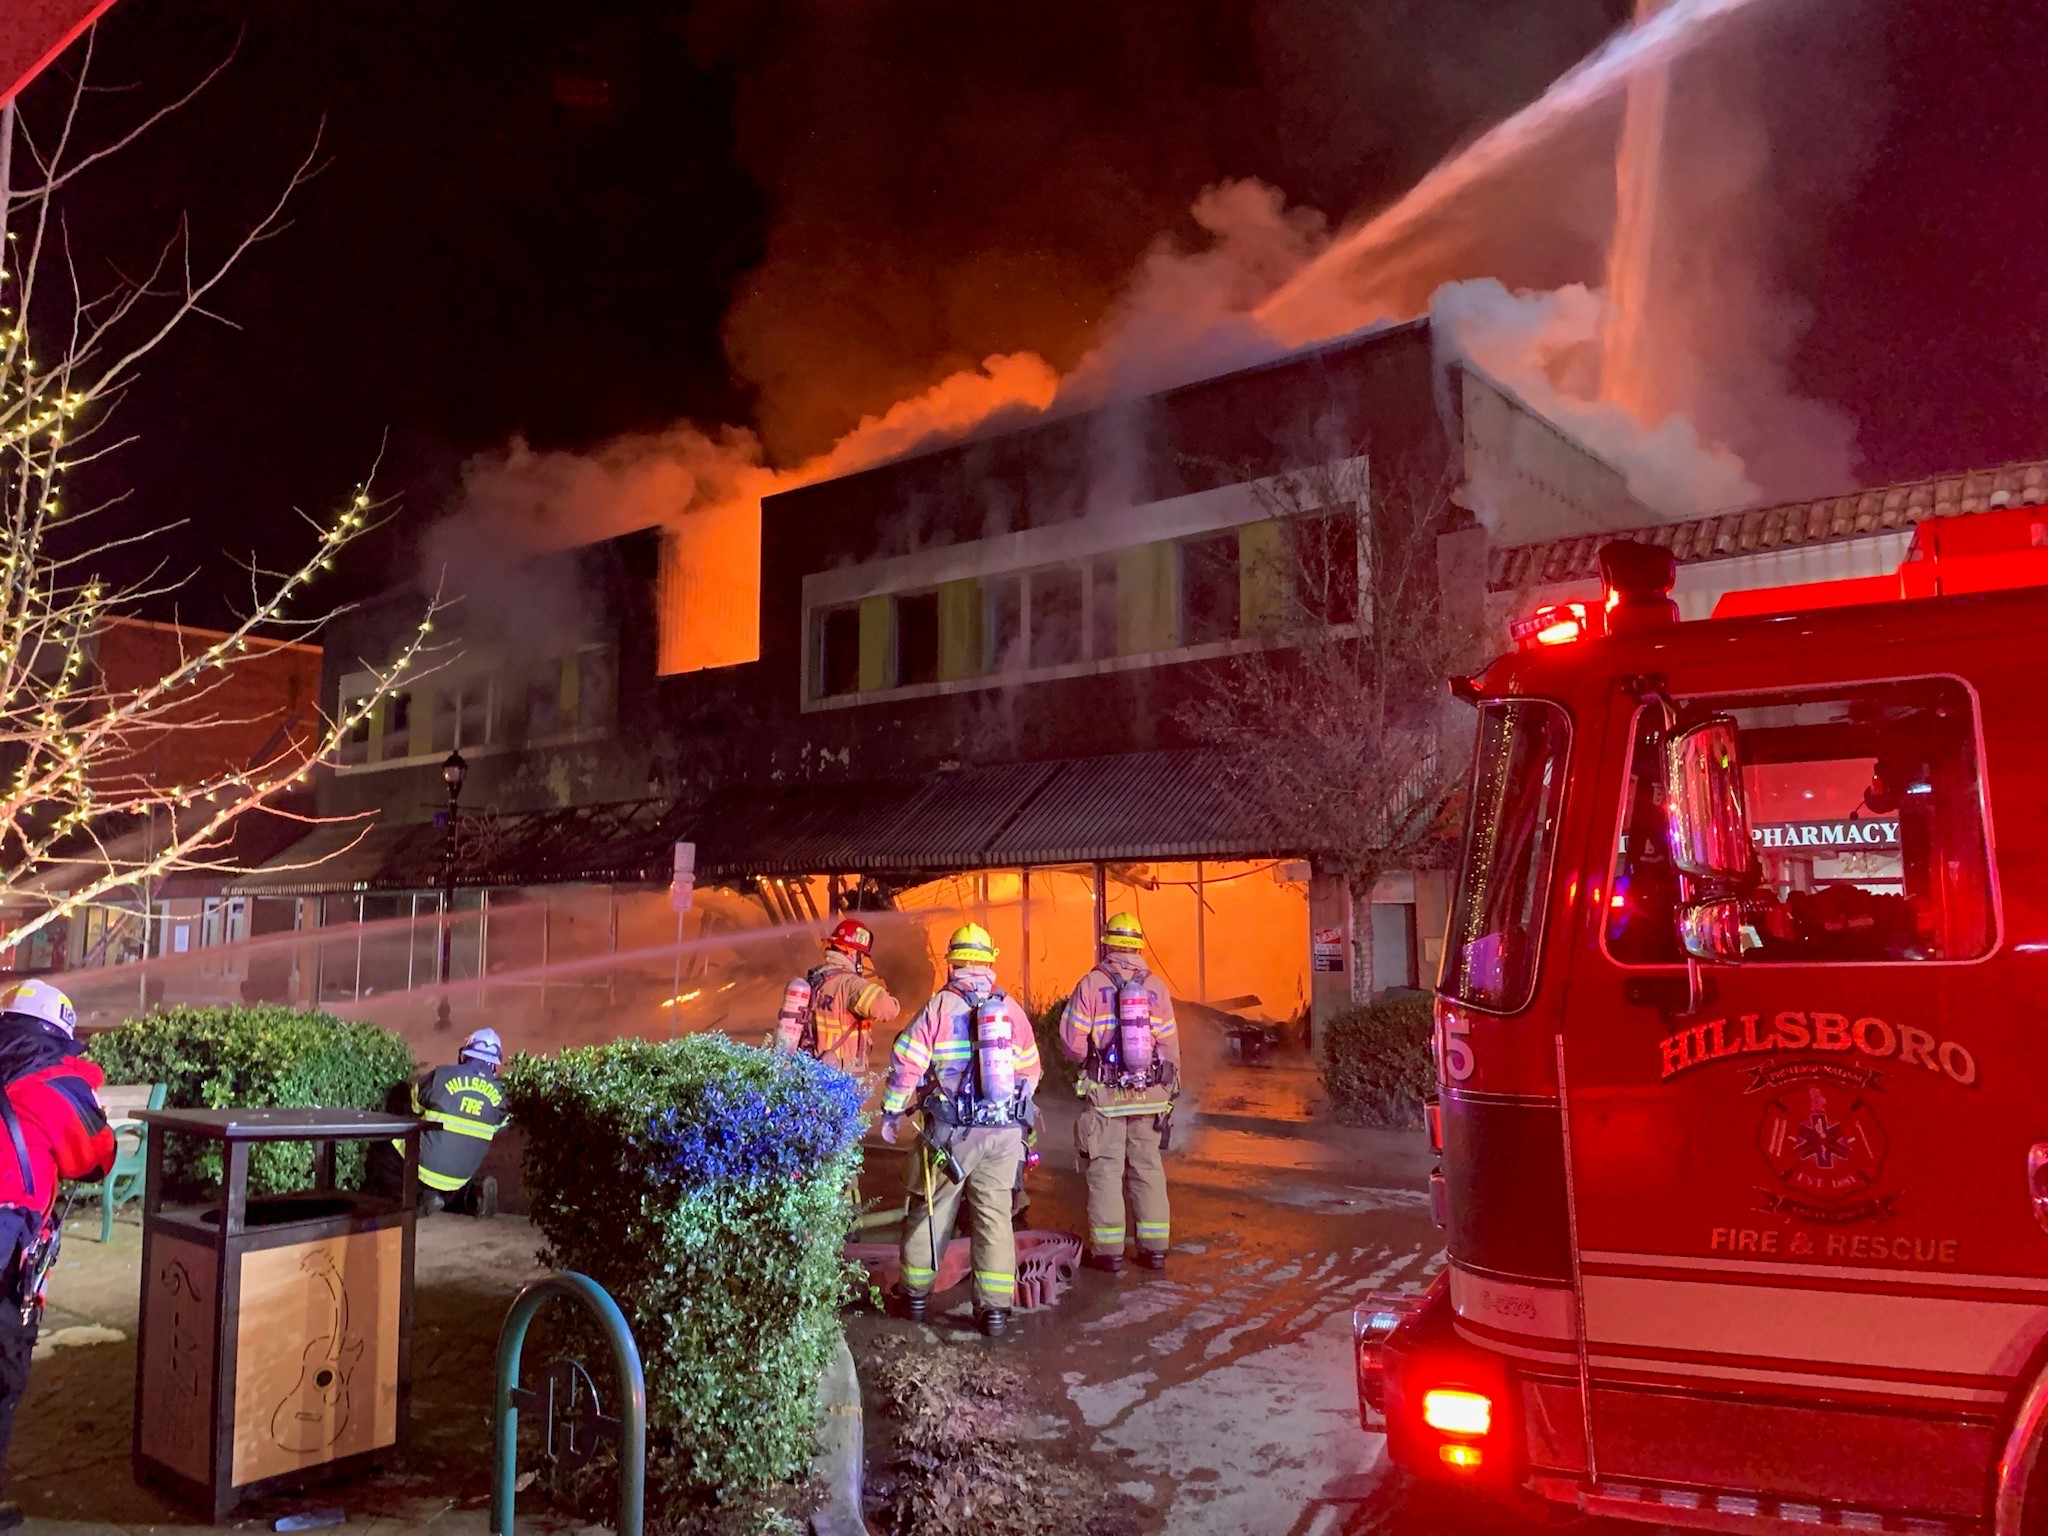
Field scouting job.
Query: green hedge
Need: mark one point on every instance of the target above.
(1376, 1067)
(265, 1056)
(708, 1186)
(1060, 1073)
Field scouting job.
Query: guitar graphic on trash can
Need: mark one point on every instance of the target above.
(315, 1413)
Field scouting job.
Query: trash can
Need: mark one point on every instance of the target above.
(274, 1346)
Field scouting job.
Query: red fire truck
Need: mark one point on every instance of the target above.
(1742, 1049)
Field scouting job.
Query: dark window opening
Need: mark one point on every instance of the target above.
(838, 652)
(1326, 562)
(917, 639)
(1005, 624)
(1209, 589)
(1102, 609)
(1055, 616)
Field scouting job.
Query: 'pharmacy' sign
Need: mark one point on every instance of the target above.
(1850, 835)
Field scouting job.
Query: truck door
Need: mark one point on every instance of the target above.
(1807, 1261)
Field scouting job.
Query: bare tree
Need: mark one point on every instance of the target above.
(1335, 719)
(77, 821)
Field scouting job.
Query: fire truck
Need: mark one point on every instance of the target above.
(1742, 1055)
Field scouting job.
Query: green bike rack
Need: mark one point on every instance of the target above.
(566, 1381)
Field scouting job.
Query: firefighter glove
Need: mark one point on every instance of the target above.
(890, 1123)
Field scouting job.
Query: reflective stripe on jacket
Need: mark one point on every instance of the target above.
(936, 1049)
(463, 1105)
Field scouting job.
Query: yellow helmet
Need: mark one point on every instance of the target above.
(970, 945)
(1123, 932)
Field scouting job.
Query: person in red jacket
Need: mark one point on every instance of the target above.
(51, 1129)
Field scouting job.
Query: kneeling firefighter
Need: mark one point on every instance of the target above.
(970, 1063)
(1119, 1026)
(831, 1012)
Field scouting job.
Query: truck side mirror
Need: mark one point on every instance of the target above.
(1712, 930)
(1709, 819)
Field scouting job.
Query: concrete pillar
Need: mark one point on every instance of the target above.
(1329, 933)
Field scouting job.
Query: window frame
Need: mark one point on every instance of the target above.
(821, 620)
(1540, 934)
(1738, 698)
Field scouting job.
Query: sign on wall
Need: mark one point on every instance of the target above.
(1327, 950)
(1850, 835)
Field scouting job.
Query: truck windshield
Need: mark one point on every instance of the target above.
(1510, 844)
(1866, 815)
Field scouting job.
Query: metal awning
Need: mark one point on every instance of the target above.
(1138, 805)
(625, 841)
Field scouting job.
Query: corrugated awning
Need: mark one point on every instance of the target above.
(628, 841)
(1140, 805)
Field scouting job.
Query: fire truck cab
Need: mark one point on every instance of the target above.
(1742, 1054)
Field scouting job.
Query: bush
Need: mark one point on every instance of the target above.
(1060, 1074)
(709, 1187)
(1377, 1067)
(260, 1057)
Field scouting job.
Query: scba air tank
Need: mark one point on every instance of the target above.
(794, 1014)
(995, 1050)
(1134, 1037)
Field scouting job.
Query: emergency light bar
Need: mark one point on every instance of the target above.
(1552, 624)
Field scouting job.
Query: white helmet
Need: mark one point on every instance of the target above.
(42, 1002)
(484, 1045)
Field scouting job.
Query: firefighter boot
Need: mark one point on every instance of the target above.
(1152, 1258)
(995, 1321)
(908, 1304)
(1108, 1263)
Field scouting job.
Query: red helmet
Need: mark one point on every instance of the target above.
(853, 936)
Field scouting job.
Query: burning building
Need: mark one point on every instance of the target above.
(969, 698)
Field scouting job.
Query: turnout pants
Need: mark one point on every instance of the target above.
(989, 1159)
(1120, 1156)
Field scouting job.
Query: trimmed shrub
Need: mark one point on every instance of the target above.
(1377, 1066)
(259, 1057)
(1060, 1074)
(708, 1186)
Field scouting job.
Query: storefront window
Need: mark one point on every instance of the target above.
(1867, 824)
(1510, 844)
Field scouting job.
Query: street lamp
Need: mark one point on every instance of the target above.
(453, 772)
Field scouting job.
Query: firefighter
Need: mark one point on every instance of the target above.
(831, 1013)
(1119, 1026)
(54, 1129)
(970, 1064)
(464, 1106)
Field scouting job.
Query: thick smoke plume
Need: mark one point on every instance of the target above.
(1507, 242)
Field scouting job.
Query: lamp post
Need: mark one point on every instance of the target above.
(453, 772)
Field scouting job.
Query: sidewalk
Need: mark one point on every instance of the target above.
(69, 1465)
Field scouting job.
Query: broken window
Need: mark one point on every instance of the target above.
(1209, 589)
(1102, 608)
(917, 639)
(1055, 616)
(1005, 623)
(838, 651)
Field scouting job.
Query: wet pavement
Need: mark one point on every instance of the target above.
(1224, 1387)
(1220, 1394)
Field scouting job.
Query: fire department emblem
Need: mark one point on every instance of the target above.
(1825, 1147)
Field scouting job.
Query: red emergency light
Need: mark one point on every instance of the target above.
(1552, 624)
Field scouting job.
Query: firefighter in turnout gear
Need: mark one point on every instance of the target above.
(969, 1064)
(1119, 1026)
(464, 1106)
(51, 1128)
(831, 1013)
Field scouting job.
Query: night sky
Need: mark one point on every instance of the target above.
(571, 221)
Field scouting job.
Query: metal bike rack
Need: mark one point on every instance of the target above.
(564, 1386)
